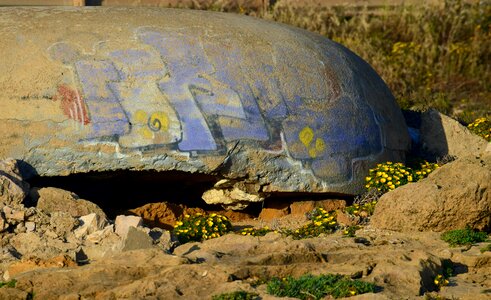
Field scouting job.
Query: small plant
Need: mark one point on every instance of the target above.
(254, 231)
(481, 127)
(486, 248)
(200, 227)
(318, 287)
(320, 222)
(425, 168)
(388, 176)
(10, 284)
(363, 210)
(238, 295)
(350, 231)
(461, 237)
(440, 281)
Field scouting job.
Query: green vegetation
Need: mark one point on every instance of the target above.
(481, 127)
(255, 231)
(486, 248)
(238, 295)
(461, 237)
(388, 176)
(321, 221)
(318, 287)
(200, 227)
(10, 284)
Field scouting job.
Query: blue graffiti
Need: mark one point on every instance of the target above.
(107, 116)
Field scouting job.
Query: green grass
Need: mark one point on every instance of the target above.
(10, 284)
(460, 237)
(318, 287)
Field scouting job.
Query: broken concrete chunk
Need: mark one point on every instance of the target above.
(123, 223)
(89, 224)
(13, 190)
(99, 235)
(135, 239)
(198, 92)
(54, 199)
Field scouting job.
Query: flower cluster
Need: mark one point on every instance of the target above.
(481, 127)
(440, 281)
(200, 227)
(388, 176)
(320, 222)
(254, 231)
(363, 210)
(424, 170)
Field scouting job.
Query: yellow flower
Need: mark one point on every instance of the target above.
(383, 180)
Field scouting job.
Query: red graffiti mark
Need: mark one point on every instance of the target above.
(72, 104)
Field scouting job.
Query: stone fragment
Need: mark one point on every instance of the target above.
(54, 199)
(123, 223)
(89, 224)
(442, 135)
(453, 196)
(30, 226)
(62, 223)
(264, 105)
(274, 210)
(98, 236)
(25, 243)
(301, 208)
(4, 225)
(13, 190)
(345, 219)
(135, 239)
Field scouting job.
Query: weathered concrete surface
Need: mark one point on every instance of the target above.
(266, 106)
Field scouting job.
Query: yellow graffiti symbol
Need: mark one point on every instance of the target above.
(320, 145)
(157, 122)
(306, 136)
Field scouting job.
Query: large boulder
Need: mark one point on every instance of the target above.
(454, 196)
(266, 107)
(57, 200)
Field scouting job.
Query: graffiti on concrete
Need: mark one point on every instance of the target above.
(183, 93)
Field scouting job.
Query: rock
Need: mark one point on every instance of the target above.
(123, 223)
(266, 106)
(442, 136)
(54, 199)
(136, 239)
(274, 210)
(97, 236)
(13, 294)
(454, 196)
(301, 208)
(163, 214)
(4, 225)
(89, 224)
(62, 223)
(30, 226)
(13, 190)
(346, 219)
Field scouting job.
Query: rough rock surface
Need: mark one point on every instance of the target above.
(266, 106)
(402, 266)
(454, 196)
(54, 199)
(13, 189)
(439, 136)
